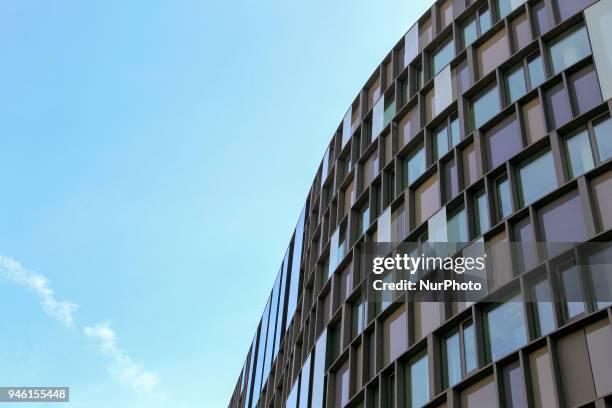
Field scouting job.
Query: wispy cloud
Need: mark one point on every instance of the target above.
(121, 366)
(61, 310)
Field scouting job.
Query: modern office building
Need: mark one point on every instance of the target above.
(494, 117)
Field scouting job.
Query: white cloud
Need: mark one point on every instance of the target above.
(61, 310)
(121, 365)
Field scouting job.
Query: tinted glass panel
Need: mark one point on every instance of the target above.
(482, 213)
(514, 391)
(563, 221)
(484, 107)
(443, 56)
(536, 71)
(602, 190)
(427, 199)
(452, 358)
(451, 182)
(578, 153)
(415, 166)
(557, 106)
(469, 32)
(503, 197)
(469, 344)
(419, 382)
(395, 334)
(515, 83)
(533, 120)
(485, 20)
(544, 307)
(503, 141)
(603, 135)
(585, 89)
(506, 328)
(568, 49)
(541, 16)
(521, 31)
(537, 177)
(568, 8)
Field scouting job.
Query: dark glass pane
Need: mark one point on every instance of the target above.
(463, 77)
(537, 177)
(395, 335)
(503, 141)
(456, 227)
(603, 135)
(585, 89)
(558, 107)
(526, 252)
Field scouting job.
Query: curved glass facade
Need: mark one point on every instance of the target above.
(489, 121)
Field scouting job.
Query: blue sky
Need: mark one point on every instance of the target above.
(155, 157)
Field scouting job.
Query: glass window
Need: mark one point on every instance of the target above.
(572, 288)
(557, 106)
(470, 170)
(562, 221)
(503, 8)
(585, 89)
(469, 346)
(536, 178)
(481, 213)
(514, 390)
(389, 111)
(446, 14)
(414, 165)
(578, 153)
(442, 56)
(542, 18)
(469, 34)
(492, 53)
(603, 136)
(364, 220)
(452, 360)
(357, 317)
(568, 8)
(455, 131)
(526, 252)
(504, 204)
(430, 105)
(341, 389)
(462, 77)
(503, 141)
(568, 48)
(485, 20)
(505, 328)
(427, 199)
(418, 380)
(457, 227)
(533, 120)
(545, 320)
(451, 180)
(536, 71)
(515, 83)
(395, 335)
(441, 141)
(425, 32)
(484, 106)
(304, 383)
